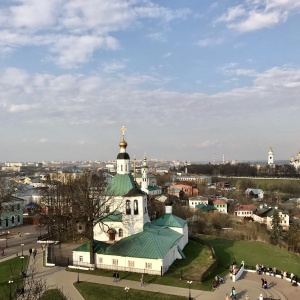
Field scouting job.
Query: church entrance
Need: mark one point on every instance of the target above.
(111, 234)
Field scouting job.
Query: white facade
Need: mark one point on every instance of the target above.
(270, 157)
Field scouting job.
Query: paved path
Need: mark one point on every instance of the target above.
(250, 284)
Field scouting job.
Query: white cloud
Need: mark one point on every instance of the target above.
(74, 29)
(43, 140)
(209, 42)
(253, 15)
(206, 144)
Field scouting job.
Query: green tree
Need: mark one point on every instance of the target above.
(277, 231)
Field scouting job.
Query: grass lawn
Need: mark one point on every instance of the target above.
(10, 270)
(198, 258)
(91, 291)
(53, 294)
(253, 253)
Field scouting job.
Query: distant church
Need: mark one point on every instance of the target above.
(271, 157)
(295, 161)
(126, 240)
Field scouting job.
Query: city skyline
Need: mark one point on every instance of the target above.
(188, 79)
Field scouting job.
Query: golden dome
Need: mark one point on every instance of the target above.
(123, 143)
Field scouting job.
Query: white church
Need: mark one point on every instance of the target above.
(126, 240)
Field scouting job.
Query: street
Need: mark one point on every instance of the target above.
(13, 240)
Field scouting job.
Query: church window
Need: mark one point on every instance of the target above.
(100, 260)
(19, 218)
(120, 232)
(13, 219)
(121, 168)
(145, 209)
(136, 207)
(131, 264)
(148, 265)
(115, 262)
(128, 208)
(81, 258)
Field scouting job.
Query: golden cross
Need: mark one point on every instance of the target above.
(123, 129)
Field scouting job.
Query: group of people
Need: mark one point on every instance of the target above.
(264, 283)
(233, 268)
(261, 269)
(33, 251)
(116, 276)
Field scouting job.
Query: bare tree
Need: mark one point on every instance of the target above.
(86, 200)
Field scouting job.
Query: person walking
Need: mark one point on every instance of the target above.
(30, 251)
(2, 252)
(142, 280)
(227, 297)
(233, 293)
(117, 276)
(247, 297)
(34, 253)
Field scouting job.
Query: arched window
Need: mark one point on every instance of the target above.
(19, 218)
(128, 208)
(120, 232)
(12, 219)
(111, 234)
(135, 207)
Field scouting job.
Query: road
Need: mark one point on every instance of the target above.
(29, 236)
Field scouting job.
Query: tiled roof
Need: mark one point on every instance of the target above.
(204, 207)
(245, 207)
(169, 220)
(219, 201)
(120, 184)
(153, 242)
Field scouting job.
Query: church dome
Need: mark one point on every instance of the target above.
(123, 155)
(123, 144)
(169, 201)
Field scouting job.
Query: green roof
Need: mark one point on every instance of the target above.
(169, 220)
(116, 216)
(204, 207)
(120, 185)
(98, 246)
(153, 187)
(153, 242)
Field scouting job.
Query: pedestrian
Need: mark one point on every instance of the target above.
(274, 271)
(261, 297)
(262, 282)
(117, 276)
(30, 251)
(292, 277)
(227, 297)
(2, 252)
(233, 293)
(142, 280)
(34, 253)
(247, 297)
(265, 284)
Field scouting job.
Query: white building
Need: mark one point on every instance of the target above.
(126, 240)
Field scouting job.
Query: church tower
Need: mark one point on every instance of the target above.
(270, 157)
(123, 159)
(144, 171)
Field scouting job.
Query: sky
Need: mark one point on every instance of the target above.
(188, 79)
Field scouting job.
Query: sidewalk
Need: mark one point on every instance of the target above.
(250, 284)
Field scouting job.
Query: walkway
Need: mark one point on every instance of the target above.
(250, 283)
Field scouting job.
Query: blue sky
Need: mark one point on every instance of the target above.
(188, 79)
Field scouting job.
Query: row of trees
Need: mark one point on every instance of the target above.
(243, 170)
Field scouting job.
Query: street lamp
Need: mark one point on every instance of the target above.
(22, 257)
(78, 273)
(189, 283)
(10, 282)
(22, 245)
(126, 291)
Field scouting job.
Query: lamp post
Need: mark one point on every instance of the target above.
(78, 273)
(189, 283)
(10, 282)
(22, 245)
(22, 257)
(126, 291)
